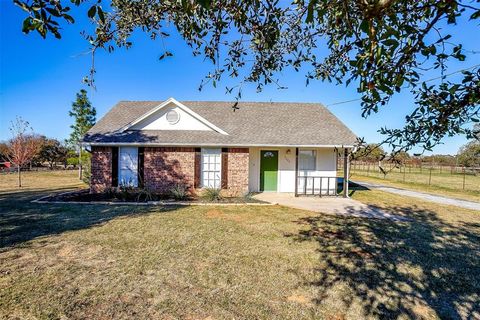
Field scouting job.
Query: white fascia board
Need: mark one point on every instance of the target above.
(181, 106)
(217, 145)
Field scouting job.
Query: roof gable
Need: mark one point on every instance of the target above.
(156, 119)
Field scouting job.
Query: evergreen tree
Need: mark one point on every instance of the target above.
(85, 116)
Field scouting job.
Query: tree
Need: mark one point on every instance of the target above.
(53, 151)
(21, 147)
(469, 154)
(371, 152)
(476, 131)
(401, 156)
(441, 159)
(84, 115)
(382, 47)
(4, 151)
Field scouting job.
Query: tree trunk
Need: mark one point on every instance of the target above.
(19, 177)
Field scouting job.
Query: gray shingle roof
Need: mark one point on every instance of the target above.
(254, 123)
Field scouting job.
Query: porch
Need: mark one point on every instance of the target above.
(298, 170)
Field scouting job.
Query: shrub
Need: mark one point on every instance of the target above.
(212, 194)
(110, 192)
(86, 173)
(145, 194)
(179, 192)
(126, 190)
(248, 196)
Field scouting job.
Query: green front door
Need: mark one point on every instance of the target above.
(268, 170)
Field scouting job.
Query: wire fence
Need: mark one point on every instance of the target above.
(448, 177)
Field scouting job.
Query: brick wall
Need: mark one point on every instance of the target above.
(237, 172)
(101, 170)
(165, 167)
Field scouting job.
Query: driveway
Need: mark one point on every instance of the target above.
(328, 205)
(424, 196)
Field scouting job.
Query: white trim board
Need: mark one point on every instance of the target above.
(140, 144)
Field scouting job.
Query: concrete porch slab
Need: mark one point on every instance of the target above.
(328, 205)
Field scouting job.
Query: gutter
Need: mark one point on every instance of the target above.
(217, 145)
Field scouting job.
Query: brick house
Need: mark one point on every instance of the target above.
(249, 146)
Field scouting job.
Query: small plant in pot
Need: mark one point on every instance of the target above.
(212, 194)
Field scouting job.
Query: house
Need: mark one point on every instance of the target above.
(251, 146)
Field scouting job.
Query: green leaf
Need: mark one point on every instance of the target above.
(391, 43)
(69, 18)
(475, 15)
(166, 54)
(92, 11)
(27, 25)
(310, 8)
(101, 15)
(205, 3)
(364, 26)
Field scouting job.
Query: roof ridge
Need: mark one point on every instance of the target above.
(225, 101)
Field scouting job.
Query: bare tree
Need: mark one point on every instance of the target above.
(21, 147)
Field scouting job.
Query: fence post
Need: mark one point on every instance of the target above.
(463, 177)
(404, 173)
(430, 176)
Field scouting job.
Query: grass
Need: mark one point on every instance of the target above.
(441, 182)
(123, 262)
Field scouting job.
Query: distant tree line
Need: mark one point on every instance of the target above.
(468, 155)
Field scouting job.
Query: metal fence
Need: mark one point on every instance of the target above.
(448, 177)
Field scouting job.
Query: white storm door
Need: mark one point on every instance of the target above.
(128, 166)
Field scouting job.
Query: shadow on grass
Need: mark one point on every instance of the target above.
(352, 187)
(21, 220)
(421, 269)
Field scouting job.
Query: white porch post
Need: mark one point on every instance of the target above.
(346, 167)
(296, 172)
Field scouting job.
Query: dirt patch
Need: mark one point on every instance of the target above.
(300, 299)
(215, 214)
(338, 316)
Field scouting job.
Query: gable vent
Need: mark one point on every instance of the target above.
(173, 117)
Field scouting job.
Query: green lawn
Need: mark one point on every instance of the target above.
(124, 262)
(442, 183)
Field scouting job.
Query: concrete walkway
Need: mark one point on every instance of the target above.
(421, 195)
(329, 205)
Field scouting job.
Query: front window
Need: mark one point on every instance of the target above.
(307, 160)
(211, 168)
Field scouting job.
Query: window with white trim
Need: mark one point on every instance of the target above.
(307, 160)
(211, 168)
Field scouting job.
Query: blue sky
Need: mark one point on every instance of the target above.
(39, 79)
